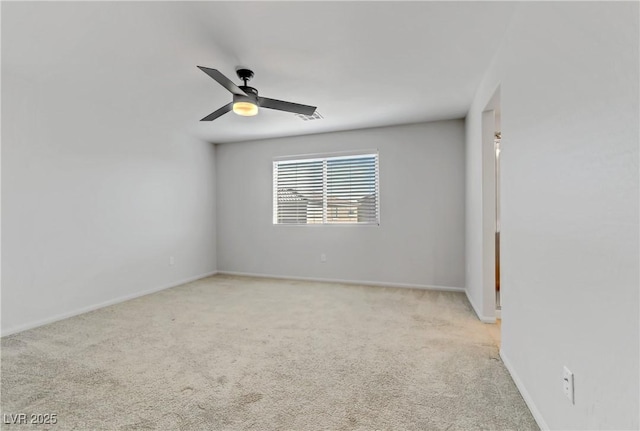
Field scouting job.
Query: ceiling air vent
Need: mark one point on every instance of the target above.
(316, 116)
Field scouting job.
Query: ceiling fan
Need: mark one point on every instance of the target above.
(246, 100)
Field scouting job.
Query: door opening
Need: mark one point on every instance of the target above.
(496, 142)
(493, 289)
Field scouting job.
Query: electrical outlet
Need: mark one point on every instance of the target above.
(323, 258)
(567, 383)
(172, 261)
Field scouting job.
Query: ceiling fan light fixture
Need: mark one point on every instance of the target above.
(246, 109)
(246, 100)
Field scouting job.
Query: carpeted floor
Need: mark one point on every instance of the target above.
(236, 353)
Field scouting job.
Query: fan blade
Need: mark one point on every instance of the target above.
(220, 112)
(223, 80)
(281, 105)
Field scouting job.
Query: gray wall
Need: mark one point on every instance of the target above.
(568, 75)
(420, 240)
(99, 184)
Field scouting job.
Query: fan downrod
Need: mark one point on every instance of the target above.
(245, 75)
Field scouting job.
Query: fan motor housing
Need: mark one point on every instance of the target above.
(252, 95)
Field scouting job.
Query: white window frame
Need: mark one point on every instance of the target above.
(324, 157)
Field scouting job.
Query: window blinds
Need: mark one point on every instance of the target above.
(328, 190)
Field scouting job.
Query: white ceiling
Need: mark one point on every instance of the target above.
(363, 64)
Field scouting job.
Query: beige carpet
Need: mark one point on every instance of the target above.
(235, 353)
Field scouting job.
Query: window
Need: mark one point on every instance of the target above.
(326, 190)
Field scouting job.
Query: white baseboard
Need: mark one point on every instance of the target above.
(483, 319)
(93, 307)
(525, 394)
(359, 282)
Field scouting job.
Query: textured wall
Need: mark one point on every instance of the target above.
(568, 75)
(420, 240)
(99, 185)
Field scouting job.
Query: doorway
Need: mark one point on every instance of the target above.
(492, 147)
(496, 141)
